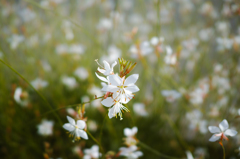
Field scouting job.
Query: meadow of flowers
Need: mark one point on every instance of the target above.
(109, 79)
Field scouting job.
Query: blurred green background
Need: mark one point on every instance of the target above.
(187, 54)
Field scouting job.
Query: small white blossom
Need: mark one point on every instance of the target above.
(21, 97)
(39, 83)
(76, 130)
(139, 108)
(222, 132)
(92, 153)
(130, 152)
(81, 73)
(45, 128)
(107, 70)
(171, 95)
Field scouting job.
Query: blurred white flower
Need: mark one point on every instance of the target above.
(39, 83)
(21, 97)
(189, 155)
(130, 152)
(26, 14)
(222, 132)
(144, 49)
(130, 136)
(92, 153)
(139, 108)
(92, 125)
(155, 40)
(76, 130)
(46, 66)
(15, 40)
(104, 24)
(66, 25)
(170, 58)
(69, 82)
(45, 128)
(171, 95)
(94, 90)
(72, 112)
(81, 73)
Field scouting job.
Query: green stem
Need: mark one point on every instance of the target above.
(224, 154)
(50, 107)
(155, 151)
(95, 140)
(70, 106)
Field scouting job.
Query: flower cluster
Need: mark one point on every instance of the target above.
(131, 141)
(118, 89)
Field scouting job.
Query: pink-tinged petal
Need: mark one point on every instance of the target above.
(114, 64)
(223, 125)
(101, 70)
(131, 79)
(108, 102)
(214, 138)
(110, 88)
(81, 124)
(106, 65)
(132, 88)
(71, 120)
(230, 132)
(214, 129)
(115, 80)
(101, 78)
(68, 127)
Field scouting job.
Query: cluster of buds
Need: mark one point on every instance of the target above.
(125, 67)
(118, 89)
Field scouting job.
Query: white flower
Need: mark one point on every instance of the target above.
(122, 89)
(171, 95)
(39, 83)
(189, 155)
(130, 132)
(45, 128)
(81, 73)
(21, 97)
(92, 153)
(69, 82)
(76, 130)
(116, 109)
(130, 152)
(107, 69)
(130, 136)
(139, 108)
(222, 132)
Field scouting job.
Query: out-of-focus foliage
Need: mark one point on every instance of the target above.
(188, 60)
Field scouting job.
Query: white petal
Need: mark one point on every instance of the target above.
(71, 120)
(230, 132)
(111, 113)
(132, 88)
(223, 125)
(110, 88)
(138, 153)
(134, 130)
(131, 79)
(81, 124)
(68, 127)
(114, 64)
(101, 78)
(115, 80)
(127, 132)
(108, 102)
(214, 129)
(81, 133)
(106, 65)
(214, 138)
(101, 70)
